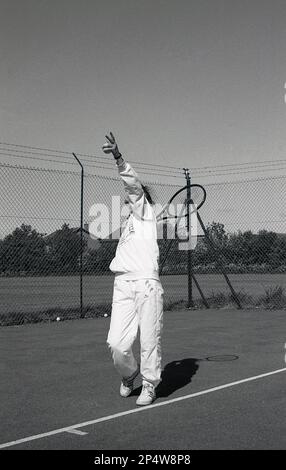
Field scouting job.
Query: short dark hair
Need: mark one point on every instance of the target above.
(148, 196)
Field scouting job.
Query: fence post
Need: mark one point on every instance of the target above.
(190, 261)
(81, 237)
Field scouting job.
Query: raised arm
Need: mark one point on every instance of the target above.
(132, 184)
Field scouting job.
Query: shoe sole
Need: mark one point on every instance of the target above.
(145, 404)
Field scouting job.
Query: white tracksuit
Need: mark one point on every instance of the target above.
(138, 293)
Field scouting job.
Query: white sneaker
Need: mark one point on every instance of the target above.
(127, 385)
(147, 395)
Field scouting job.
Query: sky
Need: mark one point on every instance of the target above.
(188, 83)
(181, 82)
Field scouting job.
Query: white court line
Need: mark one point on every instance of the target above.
(136, 410)
(77, 432)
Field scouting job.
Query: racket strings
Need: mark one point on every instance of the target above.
(185, 202)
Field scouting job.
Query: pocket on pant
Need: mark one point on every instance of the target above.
(154, 285)
(160, 288)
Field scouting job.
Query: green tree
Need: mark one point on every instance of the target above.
(240, 247)
(64, 249)
(105, 254)
(216, 232)
(277, 255)
(264, 244)
(22, 251)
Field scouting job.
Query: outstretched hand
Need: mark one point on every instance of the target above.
(111, 146)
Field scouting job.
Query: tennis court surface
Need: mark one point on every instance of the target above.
(223, 386)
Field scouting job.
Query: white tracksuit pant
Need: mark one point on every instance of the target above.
(137, 304)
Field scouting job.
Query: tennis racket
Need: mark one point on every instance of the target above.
(180, 207)
(182, 204)
(186, 200)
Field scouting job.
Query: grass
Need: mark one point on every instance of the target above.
(54, 314)
(273, 298)
(215, 300)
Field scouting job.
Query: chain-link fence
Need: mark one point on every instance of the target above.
(43, 263)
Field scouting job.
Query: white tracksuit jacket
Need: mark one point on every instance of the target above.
(137, 252)
(138, 294)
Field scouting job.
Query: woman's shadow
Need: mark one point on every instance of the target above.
(175, 375)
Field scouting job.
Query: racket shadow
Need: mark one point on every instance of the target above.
(175, 375)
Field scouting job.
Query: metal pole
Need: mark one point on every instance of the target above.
(190, 261)
(201, 292)
(81, 237)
